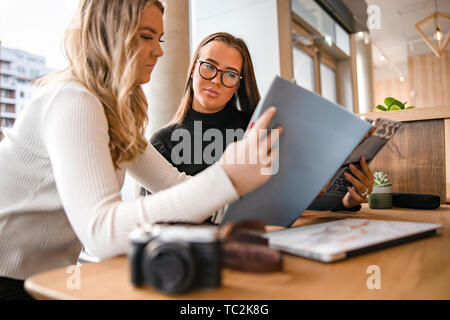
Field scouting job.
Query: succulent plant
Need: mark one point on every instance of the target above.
(381, 180)
(393, 104)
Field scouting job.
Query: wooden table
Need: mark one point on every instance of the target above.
(417, 158)
(416, 270)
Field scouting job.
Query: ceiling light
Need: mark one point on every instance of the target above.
(382, 58)
(441, 38)
(438, 34)
(402, 78)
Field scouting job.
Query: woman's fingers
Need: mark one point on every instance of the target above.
(268, 146)
(360, 176)
(355, 182)
(356, 197)
(263, 138)
(367, 172)
(258, 131)
(264, 120)
(272, 138)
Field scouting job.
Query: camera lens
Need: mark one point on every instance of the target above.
(169, 266)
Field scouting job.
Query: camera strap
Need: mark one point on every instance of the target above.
(244, 248)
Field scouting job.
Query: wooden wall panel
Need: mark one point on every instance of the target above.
(391, 88)
(428, 77)
(447, 156)
(415, 159)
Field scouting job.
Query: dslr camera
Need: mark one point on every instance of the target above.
(176, 258)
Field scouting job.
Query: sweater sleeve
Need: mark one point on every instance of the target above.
(75, 134)
(159, 141)
(154, 172)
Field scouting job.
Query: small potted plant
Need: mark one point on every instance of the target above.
(381, 196)
(392, 104)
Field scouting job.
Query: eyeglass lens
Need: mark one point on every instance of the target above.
(209, 71)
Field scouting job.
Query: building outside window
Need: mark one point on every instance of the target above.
(18, 70)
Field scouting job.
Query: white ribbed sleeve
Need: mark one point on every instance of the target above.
(74, 192)
(75, 134)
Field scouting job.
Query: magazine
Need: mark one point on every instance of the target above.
(320, 139)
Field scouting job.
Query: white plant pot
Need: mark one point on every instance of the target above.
(387, 189)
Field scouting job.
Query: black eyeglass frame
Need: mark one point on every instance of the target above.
(217, 71)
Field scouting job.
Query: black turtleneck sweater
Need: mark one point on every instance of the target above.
(196, 123)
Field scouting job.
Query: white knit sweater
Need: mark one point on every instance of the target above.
(59, 189)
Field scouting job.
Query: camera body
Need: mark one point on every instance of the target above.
(176, 258)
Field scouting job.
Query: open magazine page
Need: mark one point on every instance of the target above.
(331, 195)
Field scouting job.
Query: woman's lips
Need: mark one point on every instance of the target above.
(150, 66)
(212, 93)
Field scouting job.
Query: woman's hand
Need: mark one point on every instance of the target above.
(362, 182)
(248, 162)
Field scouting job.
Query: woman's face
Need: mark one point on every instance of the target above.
(211, 96)
(151, 29)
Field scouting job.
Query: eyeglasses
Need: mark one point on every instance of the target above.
(209, 71)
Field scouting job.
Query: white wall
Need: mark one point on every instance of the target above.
(255, 21)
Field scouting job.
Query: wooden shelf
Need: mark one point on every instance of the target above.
(416, 114)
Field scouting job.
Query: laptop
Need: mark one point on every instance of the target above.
(341, 239)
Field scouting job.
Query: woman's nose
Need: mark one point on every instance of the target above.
(216, 79)
(157, 51)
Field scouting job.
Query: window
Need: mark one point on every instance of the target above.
(6, 107)
(342, 39)
(5, 122)
(304, 69)
(10, 108)
(318, 65)
(34, 73)
(5, 93)
(328, 82)
(5, 65)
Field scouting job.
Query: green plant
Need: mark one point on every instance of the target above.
(392, 104)
(381, 180)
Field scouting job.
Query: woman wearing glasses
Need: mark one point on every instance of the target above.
(220, 94)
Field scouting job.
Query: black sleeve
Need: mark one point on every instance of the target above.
(341, 207)
(159, 141)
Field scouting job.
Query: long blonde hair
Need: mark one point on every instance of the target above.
(247, 93)
(101, 46)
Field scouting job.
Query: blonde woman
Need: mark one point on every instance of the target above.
(63, 163)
